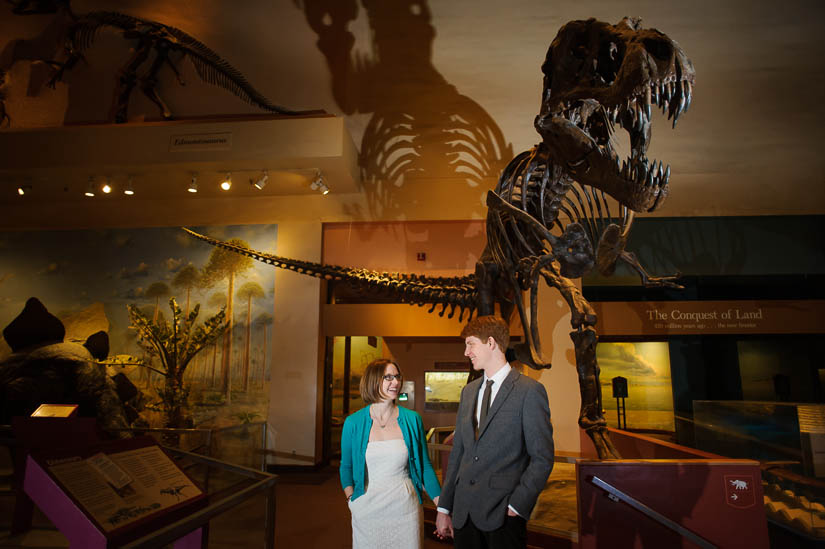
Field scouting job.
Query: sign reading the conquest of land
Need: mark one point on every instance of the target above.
(710, 317)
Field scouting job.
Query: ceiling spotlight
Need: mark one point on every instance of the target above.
(23, 189)
(106, 188)
(318, 184)
(226, 184)
(193, 184)
(90, 189)
(129, 189)
(261, 182)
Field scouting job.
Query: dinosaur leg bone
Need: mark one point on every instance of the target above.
(127, 80)
(581, 312)
(149, 82)
(591, 418)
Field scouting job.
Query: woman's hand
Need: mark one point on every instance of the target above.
(348, 492)
(435, 500)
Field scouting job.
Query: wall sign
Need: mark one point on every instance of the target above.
(201, 142)
(710, 317)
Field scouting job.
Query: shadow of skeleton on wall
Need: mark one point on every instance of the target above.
(421, 127)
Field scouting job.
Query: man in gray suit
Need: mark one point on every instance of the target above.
(502, 449)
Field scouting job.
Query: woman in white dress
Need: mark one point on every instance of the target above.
(384, 465)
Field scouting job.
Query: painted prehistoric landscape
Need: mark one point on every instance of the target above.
(646, 365)
(125, 282)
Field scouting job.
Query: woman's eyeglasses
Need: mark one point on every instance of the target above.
(390, 377)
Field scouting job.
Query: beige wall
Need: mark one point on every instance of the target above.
(295, 394)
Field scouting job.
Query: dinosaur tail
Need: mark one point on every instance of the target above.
(450, 293)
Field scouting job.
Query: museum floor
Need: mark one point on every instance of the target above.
(310, 513)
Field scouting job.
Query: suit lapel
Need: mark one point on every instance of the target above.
(501, 396)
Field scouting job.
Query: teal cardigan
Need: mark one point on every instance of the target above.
(356, 435)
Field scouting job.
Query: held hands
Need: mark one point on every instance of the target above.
(443, 526)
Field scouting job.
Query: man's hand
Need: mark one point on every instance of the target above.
(443, 526)
(511, 513)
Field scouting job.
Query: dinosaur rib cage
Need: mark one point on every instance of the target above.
(449, 292)
(544, 190)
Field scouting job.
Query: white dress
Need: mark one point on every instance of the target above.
(388, 514)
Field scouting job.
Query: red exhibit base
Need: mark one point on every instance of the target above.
(670, 503)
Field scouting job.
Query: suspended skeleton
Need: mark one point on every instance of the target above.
(566, 205)
(155, 46)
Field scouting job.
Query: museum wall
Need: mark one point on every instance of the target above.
(436, 97)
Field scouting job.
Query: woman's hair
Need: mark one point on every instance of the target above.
(372, 379)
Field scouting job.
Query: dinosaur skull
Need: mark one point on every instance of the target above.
(598, 76)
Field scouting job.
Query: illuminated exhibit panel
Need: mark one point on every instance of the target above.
(646, 365)
(443, 390)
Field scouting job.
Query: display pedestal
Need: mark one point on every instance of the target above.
(38, 433)
(671, 503)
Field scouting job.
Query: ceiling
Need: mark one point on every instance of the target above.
(438, 95)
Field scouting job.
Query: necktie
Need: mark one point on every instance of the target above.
(485, 402)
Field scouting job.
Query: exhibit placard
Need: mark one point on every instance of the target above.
(121, 483)
(55, 410)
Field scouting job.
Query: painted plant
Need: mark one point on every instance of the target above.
(174, 344)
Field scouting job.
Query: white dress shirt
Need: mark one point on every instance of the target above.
(498, 378)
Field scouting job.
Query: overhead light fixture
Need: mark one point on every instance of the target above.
(106, 188)
(318, 184)
(24, 189)
(193, 184)
(226, 184)
(261, 182)
(129, 189)
(90, 189)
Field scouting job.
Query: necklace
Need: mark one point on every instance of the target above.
(377, 418)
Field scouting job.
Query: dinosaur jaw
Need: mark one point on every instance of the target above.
(580, 138)
(598, 77)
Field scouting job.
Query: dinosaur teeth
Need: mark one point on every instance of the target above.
(667, 175)
(688, 94)
(648, 98)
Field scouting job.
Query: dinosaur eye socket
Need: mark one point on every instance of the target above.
(661, 49)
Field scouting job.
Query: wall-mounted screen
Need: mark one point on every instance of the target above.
(442, 390)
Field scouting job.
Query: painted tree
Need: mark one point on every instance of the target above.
(264, 320)
(187, 279)
(226, 265)
(175, 344)
(157, 291)
(248, 291)
(216, 300)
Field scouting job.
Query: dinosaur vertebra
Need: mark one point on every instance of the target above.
(596, 76)
(449, 292)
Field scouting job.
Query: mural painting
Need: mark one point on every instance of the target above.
(646, 365)
(88, 279)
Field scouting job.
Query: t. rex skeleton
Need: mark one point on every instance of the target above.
(549, 216)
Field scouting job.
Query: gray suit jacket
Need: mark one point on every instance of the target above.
(511, 460)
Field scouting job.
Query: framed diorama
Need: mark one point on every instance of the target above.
(646, 367)
(442, 389)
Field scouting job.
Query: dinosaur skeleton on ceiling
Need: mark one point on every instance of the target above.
(154, 46)
(567, 205)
